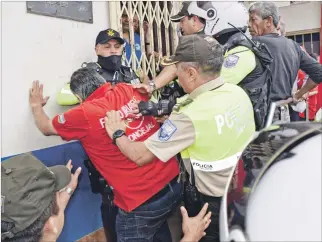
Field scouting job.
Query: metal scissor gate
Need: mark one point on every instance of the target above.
(163, 33)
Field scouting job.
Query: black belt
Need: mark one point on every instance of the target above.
(162, 192)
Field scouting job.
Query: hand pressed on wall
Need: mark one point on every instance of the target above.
(36, 97)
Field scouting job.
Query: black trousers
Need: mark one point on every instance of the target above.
(109, 213)
(212, 232)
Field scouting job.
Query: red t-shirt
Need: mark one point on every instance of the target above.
(312, 100)
(133, 185)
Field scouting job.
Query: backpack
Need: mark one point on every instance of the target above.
(258, 89)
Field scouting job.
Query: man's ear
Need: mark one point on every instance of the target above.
(195, 19)
(192, 72)
(270, 21)
(96, 49)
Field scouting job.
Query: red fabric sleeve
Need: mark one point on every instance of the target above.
(71, 125)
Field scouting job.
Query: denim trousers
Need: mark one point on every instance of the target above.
(148, 222)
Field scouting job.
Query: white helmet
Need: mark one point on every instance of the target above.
(219, 14)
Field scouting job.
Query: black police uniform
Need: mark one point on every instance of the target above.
(124, 74)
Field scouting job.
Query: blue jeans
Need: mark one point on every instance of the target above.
(148, 222)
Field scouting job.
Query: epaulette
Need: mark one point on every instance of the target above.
(181, 102)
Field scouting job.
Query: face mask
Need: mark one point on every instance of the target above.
(110, 63)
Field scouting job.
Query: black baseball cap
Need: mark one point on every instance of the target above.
(182, 13)
(195, 48)
(106, 35)
(27, 189)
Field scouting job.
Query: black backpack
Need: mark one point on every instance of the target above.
(257, 89)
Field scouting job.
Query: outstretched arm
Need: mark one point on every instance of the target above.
(166, 76)
(37, 101)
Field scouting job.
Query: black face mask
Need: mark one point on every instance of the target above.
(110, 63)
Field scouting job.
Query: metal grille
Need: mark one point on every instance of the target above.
(311, 41)
(162, 32)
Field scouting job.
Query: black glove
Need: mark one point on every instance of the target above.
(148, 108)
(163, 107)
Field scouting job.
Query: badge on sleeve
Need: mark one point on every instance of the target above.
(231, 61)
(61, 119)
(167, 130)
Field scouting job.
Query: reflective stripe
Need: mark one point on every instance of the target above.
(217, 165)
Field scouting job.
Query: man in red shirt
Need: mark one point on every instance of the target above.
(144, 195)
(312, 98)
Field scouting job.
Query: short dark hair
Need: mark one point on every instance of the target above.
(85, 81)
(32, 233)
(265, 10)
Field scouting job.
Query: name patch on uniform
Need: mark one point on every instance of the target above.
(167, 130)
(135, 81)
(231, 61)
(61, 119)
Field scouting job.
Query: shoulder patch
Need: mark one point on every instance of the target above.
(231, 61)
(167, 130)
(61, 119)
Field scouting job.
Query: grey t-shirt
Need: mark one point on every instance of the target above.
(288, 59)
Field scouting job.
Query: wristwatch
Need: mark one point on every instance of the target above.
(117, 134)
(152, 85)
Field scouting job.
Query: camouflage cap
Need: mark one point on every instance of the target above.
(27, 189)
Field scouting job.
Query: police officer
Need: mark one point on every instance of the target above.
(189, 23)
(109, 47)
(210, 127)
(244, 65)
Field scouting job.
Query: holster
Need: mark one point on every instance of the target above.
(191, 195)
(191, 198)
(98, 182)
